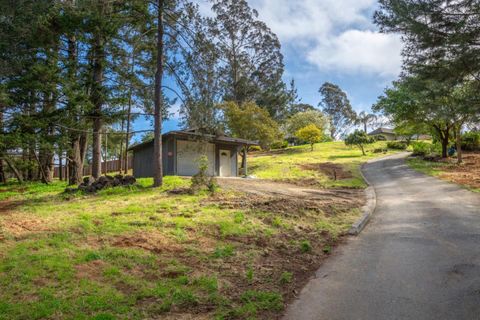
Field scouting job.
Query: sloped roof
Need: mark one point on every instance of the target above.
(194, 134)
(381, 131)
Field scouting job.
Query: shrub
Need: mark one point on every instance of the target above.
(310, 134)
(201, 179)
(397, 145)
(421, 148)
(305, 246)
(471, 141)
(256, 148)
(360, 139)
(279, 145)
(380, 150)
(286, 277)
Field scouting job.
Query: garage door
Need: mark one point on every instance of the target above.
(188, 153)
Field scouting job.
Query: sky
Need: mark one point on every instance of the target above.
(327, 40)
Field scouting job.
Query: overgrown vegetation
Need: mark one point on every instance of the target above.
(136, 252)
(315, 168)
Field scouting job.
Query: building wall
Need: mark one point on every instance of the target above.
(143, 162)
(172, 148)
(188, 154)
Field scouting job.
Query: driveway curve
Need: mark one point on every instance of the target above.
(419, 257)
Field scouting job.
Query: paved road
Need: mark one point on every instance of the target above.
(419, 257)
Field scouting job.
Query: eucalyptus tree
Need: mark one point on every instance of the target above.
(252, 62)
(336, 105)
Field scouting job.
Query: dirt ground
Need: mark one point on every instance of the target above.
(272, 188)
(467, 173)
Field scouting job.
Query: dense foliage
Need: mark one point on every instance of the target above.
(359, 139)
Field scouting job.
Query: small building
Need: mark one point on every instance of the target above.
(182, 150)
(389, 134)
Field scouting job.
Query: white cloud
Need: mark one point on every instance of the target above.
(311, 18)
(359, 51)
(333, 35)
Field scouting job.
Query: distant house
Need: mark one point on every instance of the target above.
(182, 149)
(389, 134)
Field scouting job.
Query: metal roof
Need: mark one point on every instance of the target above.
(200, 136)
(382, 130)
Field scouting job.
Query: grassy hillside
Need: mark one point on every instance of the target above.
(317, 167)
(138, 252)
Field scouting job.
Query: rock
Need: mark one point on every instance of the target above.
(119, 177)
(88, 180)
(129, 180)
(91, 188)
(116, 182)
(71, 190)
(102, 180)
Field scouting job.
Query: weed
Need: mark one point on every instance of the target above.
(286, 278)
(305, 246)
(224, 252)
(249, 275)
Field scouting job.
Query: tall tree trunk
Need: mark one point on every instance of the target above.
(120, 154)
(458, 142)
(97, 100)
(14, 169)
(157, 148)
(75, 157)
(129, 115)
(60, 164)
(444, 135)
(3, 178)
(75, 170)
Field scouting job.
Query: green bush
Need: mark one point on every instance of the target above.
(305, 246)
(255, 148)
(280, 145)
(202, 179)
(397, 145)
(471, 141)
(421, 148)
(380, 150)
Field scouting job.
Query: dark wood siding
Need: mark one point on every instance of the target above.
(143, 159)
(143, 162)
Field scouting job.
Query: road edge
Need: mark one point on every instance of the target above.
(368, 208)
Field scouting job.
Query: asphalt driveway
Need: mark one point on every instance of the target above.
(419, 257)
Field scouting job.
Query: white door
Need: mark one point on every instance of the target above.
(188, 154)
(225, 163)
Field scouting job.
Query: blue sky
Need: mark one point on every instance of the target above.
(327, 40)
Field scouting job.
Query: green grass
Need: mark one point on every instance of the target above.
(286, 164)
(139, 252)
(436, 169)
(427, 167)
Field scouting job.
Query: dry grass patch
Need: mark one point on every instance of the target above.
(466, 174)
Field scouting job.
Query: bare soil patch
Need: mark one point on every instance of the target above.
(153, 242)
(331, 202)
(8, 206)
(92, 270)
(468, 173)
(333, 170)
(19, 227)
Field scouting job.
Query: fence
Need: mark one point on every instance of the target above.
(112, 166)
